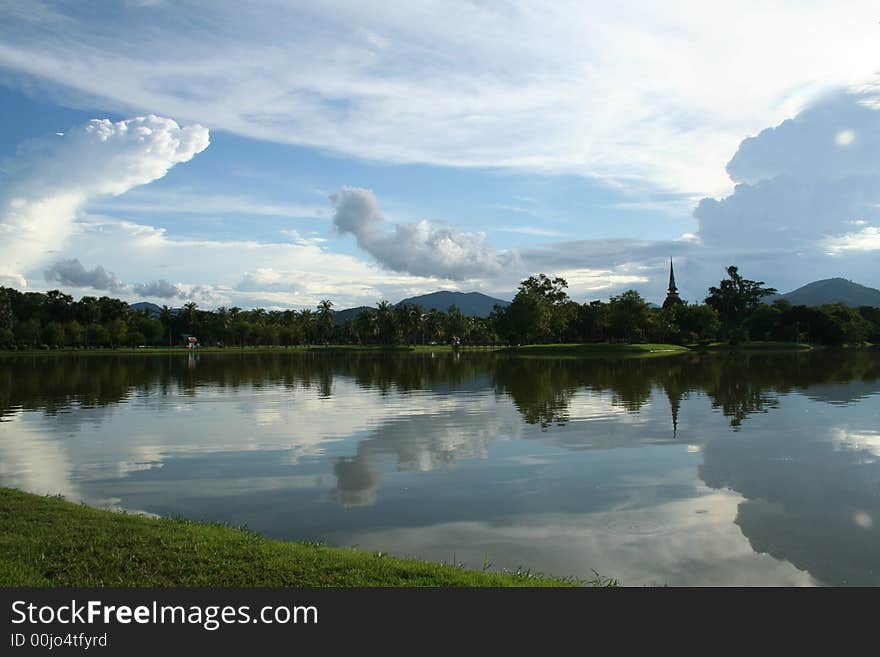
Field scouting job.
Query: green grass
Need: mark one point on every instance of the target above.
(758, 346)
(597, 350)
(46, 541)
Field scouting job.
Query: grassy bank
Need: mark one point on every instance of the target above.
(593, 350)
(46, 541)
(160, 351)
(597, 350)
(757, 346)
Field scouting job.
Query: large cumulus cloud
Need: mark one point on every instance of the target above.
(810, 179)
(423, 248)
(49, 179)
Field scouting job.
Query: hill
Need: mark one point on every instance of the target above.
(833, 290)
(472, 304)
(343, 316)
(153, 309)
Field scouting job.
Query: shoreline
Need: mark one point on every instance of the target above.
(580, 350)
(49, 541)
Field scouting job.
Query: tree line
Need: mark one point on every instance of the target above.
(541, 312)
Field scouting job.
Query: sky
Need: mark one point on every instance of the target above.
(273, 154)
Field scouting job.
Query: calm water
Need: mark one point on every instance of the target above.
(745, 469)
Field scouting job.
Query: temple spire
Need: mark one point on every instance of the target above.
(672, 297)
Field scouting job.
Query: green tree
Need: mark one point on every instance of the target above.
(74, 333)
(307, 324)
(6, 316)
(628, 316)
(98, 335)
(135, 338)
(27, 333)
(325, 319)
(190, 316)
(365, 326)
(166, 316)
(53, 334)
(456, 324)
(117, 329)
(386, 322)
(735, 299)
(536, 311)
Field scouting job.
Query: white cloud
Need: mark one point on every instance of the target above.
(867, 239)
(628, 91)
(423, 248)
(50, 179)
(801, 188)
(72, 272)
(796, 183)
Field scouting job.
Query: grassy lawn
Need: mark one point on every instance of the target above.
(46, 541)
(597, 350)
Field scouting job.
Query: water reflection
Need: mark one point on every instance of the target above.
(746, 468)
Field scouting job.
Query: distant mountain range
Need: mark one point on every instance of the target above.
(832, 290)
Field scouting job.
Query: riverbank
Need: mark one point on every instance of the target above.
(47, 541)
(581, 350)
(578, 350)
(597, 350)
(162, 351)
(756, 346)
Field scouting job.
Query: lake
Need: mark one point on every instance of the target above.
(713, 469)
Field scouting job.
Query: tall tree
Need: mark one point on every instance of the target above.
(166, 317)
(325, 318)
(386, 321)
(628, 316)
(735, 299)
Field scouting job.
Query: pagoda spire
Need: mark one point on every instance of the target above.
(672, 298)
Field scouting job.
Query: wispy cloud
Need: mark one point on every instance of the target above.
(206, 203)
(530, 230)
(627, 92)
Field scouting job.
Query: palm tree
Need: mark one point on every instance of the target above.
(325, 318)
(385, 317)
(166, 317)
(365, 325)
(307, 320)
(190, 309)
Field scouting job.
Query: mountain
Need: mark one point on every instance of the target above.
(472, 304)
(833, 290)
(146, 305)
(342, 316)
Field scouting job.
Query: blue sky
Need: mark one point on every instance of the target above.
(282, 153)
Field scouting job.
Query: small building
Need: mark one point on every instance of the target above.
(672, 298)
